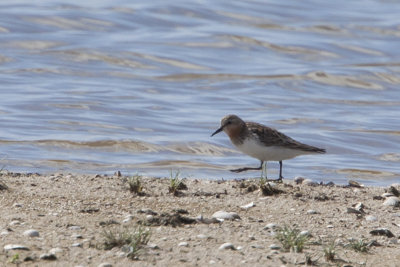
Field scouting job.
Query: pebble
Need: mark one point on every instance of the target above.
(353, 183)
(392, 201)
(17, 205)
(382, 231)
(48, 257)
(153, 246)
(202, 236)
(31, 233)
(105, 264)
(74, 227)
(223, 215)
(15, 247)
(149, 217)
(55, 250)
(248, 206)
(299, 179)
(371, 218)
(128, 218)
(305, 233)
(330, 226)
(270, 226)
(227, 246)
(257, 246)
(77, 236)
(4, 233)
(309, 182)
(385, 195)
(183, 244)
(15, 222)
(312, 212)
(79, 245)
(274, 247)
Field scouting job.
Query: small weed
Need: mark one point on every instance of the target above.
(269, 190)
(135, 184)
(291, 239)
(176, 183)
(330, 252)
(14, 259)
(359, 245)
(131, 240)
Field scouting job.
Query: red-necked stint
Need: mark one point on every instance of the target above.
(263, 143)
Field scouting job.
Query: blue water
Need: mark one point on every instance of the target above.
(139, 86)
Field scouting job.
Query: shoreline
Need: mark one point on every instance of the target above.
(71, 213)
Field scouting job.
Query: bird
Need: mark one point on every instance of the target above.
(263, 143)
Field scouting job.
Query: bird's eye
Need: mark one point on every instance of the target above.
(228, 122)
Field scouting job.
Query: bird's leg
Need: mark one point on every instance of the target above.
(248, 168)
(264, 175)
(280, 172)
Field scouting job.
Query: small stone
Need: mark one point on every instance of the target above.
(183, 244)
(274, 247)
(15, 247)
(223, 215)
(74, 227)
(55, 251)
(248, 206)
(31, 233)
(202, 236)
(77, 236)
(149, 217)
(212, 262)
(359, 206)
(128, 218)
(312, 212)
(299, 179)
(227, 246)
(392, 201)
(329, 226)
(353, 183)
(4, 233)
(385, 195)
(309, 182)
(257, 246)
(48, 257)
(105, 264)
(382, 231)
(153, 246)
(305, 233)
(15, 222)
(371, 218)
(77, 245)
(17, 205)
(270, 226)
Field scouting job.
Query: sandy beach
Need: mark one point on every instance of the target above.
(62, 220)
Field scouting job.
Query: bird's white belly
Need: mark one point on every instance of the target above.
(268, 153)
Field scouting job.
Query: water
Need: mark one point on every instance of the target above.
(139, 86)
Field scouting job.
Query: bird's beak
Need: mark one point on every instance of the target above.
(217, 131)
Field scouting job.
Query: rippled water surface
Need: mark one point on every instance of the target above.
(139, 86)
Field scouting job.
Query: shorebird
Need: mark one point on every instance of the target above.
(263, 143)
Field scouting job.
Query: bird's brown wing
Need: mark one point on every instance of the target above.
(271, 137)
